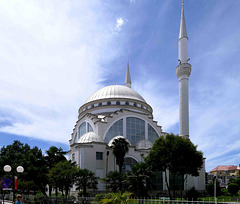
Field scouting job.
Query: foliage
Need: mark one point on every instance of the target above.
(81, 194)
(120, 147)
(86, 179)
(114, 181)
(18, 154)
(63, 175)
(233, 188)
(176, 154)
(225, 192)
(101, 196)
(117, 198)
(235, 180)
(139, 179)
(210, 188)
(192, 194)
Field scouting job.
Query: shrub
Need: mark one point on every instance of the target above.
(80, 194)
(192, 194)
(233, 188)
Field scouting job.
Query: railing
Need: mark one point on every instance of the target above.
(91, 200)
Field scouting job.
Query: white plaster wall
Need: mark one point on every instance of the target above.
(183, 50)
(183, 107)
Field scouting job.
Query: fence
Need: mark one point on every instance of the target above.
(90, 200)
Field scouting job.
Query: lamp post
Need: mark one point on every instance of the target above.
(215, 189)
(19, 169)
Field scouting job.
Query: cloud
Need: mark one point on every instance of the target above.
(119, 23)
(51, 60)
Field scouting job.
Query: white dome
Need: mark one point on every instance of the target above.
(115, 91)
(144, 144)
(117, 137)
(90, 137)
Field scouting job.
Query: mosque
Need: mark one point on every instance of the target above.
(119, 111)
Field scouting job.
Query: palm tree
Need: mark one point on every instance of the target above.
(86, 179)
(120, 147)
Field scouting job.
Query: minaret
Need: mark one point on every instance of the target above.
(183, 72)
(128, 78)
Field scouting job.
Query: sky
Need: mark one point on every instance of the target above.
(55, 54)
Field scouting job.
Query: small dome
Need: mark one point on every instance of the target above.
(115, 92)
(144, 144)
(90, 137)
(117, 137)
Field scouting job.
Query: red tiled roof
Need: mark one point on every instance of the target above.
(225, 168)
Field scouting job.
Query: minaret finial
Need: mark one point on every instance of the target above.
(183, 28)
(128, 78)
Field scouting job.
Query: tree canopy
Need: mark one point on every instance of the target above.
(120, 147)
(176, 154)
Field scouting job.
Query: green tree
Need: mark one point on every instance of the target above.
(19, 154)
(176, 154)
(139, 179)
(86, 179)
(120, 147)
(233, 188)
(53, 156)
(210, 188)
(63, 175)
(114, 181)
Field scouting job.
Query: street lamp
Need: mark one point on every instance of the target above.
(7, 169)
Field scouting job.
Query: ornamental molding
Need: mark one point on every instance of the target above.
(183, 69)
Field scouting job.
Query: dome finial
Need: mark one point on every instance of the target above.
(128, 77)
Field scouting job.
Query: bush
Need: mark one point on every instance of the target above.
(192, 194)
(225, 192)
(233, 188)
(101, 196)
(210, 189)
(80, 194)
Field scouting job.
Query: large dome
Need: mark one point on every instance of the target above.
(115, 91)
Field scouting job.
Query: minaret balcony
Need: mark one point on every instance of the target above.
(183, 70)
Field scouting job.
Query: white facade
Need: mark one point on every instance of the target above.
(119, 111)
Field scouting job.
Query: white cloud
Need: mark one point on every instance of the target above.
(119, 23)
(51, 56)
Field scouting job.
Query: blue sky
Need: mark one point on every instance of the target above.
(54, 54)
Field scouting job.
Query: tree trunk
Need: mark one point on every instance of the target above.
(174, 175)
(169, 192)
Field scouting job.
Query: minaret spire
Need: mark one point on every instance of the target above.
(128, 77)
(183, 28)
(183, 72)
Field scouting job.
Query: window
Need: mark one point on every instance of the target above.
(135, 130)
(99, 156)
(108, 103)
(82, 129)
(115, 130)
(128, 163)
(152, 134)
(118, 103)
(73, 157)
(100, 104)
(127, 103)
(89, 128)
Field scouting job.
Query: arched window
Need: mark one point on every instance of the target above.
(100, 104)
(152, 134)
(115, 130)
(82, 129)
(109, 103)
(128, 163)
(118, 103)
(135, 130)
(89, 128)
(127, 103)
